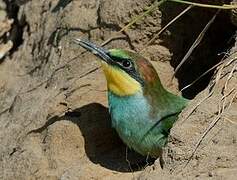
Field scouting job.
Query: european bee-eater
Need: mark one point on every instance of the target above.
(142, 110)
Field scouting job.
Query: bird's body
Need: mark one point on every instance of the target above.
(141, 126)
(142, 111)
(134, 123)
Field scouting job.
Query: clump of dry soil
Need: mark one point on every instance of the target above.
(54, 121)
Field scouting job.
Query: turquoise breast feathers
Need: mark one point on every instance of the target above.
(131, 118)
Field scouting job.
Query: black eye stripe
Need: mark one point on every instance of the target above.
(118, 61)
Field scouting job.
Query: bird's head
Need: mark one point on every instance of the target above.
(127, 72)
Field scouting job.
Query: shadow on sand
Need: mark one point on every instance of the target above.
(102, 144)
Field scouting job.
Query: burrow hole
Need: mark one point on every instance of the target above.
(218, 39)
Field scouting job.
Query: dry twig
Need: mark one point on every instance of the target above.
(196, 43)
(222, 108)
(167, 25)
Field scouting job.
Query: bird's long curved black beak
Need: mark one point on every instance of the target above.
(96, 50)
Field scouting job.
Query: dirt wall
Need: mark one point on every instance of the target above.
(54, 121)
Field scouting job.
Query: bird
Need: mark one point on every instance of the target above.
(142, 111)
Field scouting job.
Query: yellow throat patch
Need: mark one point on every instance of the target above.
(119, 82)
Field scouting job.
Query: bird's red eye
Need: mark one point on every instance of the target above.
(126, 64)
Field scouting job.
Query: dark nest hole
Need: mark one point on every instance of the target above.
(216, 42)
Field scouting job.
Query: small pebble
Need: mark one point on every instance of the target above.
(5, 48)
(2, 5)
(3, 15)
